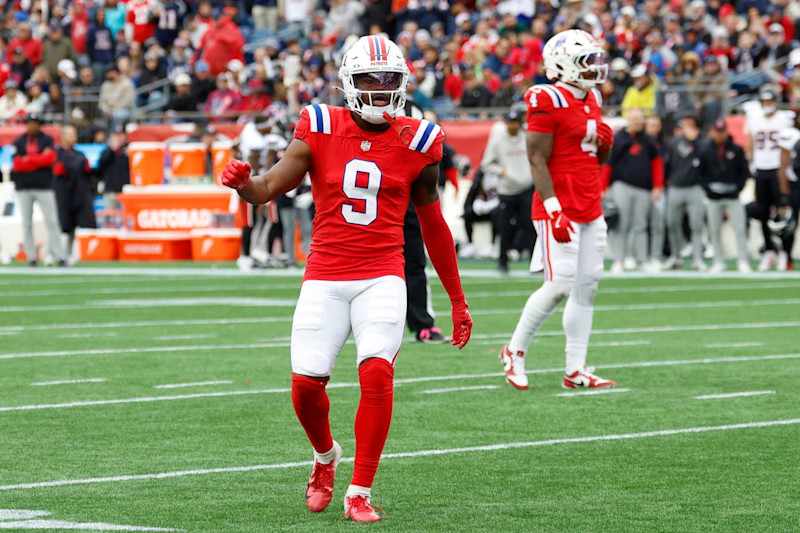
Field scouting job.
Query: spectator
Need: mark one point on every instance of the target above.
(21, 68)
(711, 90)
(221, 43)
(621, 80)
(775, 50)
(67, 73)
(153, 71)
(12, 103)
(73, 187)
(115, 12)
(100, 43)
(506, 157)
(56, 106)
(78, 24)
(642, 94)
(32, 175)
(179, 59)
(202, 82)
(265, 14)
(170, 14)
(636, 172)
(139, 22)
(475, 93)
(183, 101)
(56, 48)
(114, 168)
(723, 172)
(37, 98)
(297, 14)
(344, 18)
(685, 193)
(31, 47)
(673, 101)
(117, 97)
(222, 100)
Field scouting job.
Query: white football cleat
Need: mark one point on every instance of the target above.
(783, 261)
(630, 264)
(584, 379)
(672, 263)
(617, 268)
(717, 268)
(699, 266)
(514, 365)
(744, 267)
(768, 261)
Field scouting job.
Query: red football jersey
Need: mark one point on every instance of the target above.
(361, 184)
(573, 162)
(139, 15)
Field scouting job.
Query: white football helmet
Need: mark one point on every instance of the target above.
(374, 70)
(575, 57)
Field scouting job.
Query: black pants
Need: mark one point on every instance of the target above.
(515, 226)
(767, 195)
(417, 315)
(794, 203)
(470, 218)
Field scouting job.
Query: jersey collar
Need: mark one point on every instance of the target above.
(580, 94)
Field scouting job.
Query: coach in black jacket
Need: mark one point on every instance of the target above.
(114, 168)
(73, 187)
(723, 172)
(32, 175)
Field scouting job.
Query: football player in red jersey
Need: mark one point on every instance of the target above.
(567, 142)
(366, 164)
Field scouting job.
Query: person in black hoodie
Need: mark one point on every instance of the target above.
(100, 44)
(73, 187)
(32, 175)
(114, 168)
(723, 172)
(685, 193)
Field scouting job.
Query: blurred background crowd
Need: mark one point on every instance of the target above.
(103, 63)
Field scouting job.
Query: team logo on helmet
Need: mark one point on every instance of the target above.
(378, 50)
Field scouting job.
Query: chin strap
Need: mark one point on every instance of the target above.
(404, 133)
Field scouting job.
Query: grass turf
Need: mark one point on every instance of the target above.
(732, 480)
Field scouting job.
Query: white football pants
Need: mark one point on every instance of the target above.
(571, 269)
(374, 309)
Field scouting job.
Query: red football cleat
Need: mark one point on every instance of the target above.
(320, 484)
(584, 379)
(358, 509)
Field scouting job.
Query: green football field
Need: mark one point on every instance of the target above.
(156, 399)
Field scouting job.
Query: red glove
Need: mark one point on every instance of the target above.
(605, 134)
(560, 223)
(236, 175)
(462, 322)
(60, 170)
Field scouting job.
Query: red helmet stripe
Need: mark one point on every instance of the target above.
(371, 48)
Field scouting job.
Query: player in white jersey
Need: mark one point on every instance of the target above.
(763, 124)
(789, 187)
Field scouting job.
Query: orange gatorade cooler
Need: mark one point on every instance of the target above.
(216, 244)
(221, 153)
(155, 246)
(187, 160)
(146, 163)
(97, 244)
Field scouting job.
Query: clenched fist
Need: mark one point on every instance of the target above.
(236, 175)
(462, 323)
(605, 135)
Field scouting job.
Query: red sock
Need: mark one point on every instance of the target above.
(312, 406)
(373, 418)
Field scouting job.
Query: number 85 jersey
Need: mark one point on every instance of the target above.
(573, 163)
(361, 185)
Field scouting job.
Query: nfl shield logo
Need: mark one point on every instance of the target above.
(365, 146)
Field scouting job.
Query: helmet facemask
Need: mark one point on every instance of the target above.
(593, 69)
(374, 93)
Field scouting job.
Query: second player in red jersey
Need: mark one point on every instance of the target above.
(366, 164)
(567, 141)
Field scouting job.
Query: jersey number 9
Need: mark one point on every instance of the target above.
(365, 211)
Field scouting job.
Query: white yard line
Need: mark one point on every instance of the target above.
(87, 335)
(152, 290)
(734, 395)
(185, 337)
(735, 345)
(410, 454)
(645, 289)
(424, 379)
(68, 382)
(151, 323)
(591, 392)
(619, 343)
(148, 349)
(195, 384)
(457, 389)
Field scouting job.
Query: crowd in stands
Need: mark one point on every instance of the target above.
(226, 58)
